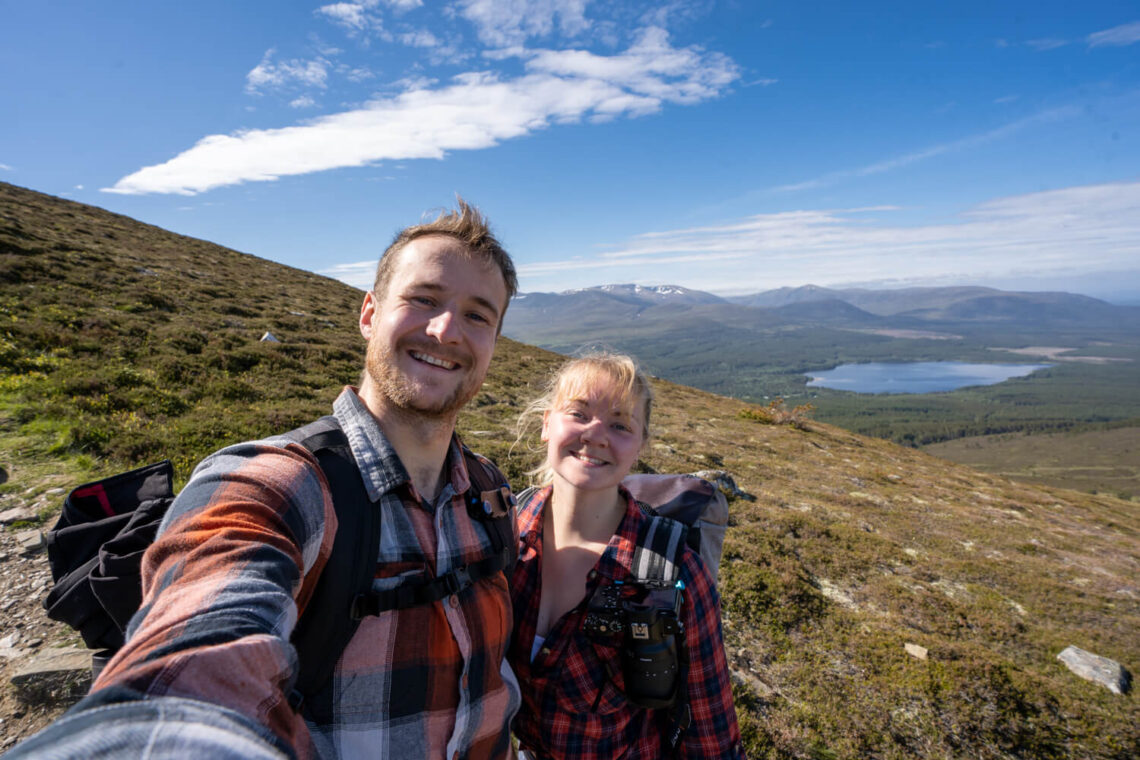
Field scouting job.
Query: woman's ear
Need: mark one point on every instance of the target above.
(545, 423)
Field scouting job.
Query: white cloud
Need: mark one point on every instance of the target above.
(363, 17)
(1086, 229)
(79, 187)
(355, 74)
(1117, 36)
(302, 102)
(419, 38)
(351, 16)
(511, 22)
(6, 168)
(359, 274)
(1052, 115)
(1046, 44)
(477, 110)
(270, 75)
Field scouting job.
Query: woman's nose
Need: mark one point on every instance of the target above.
(591, 431)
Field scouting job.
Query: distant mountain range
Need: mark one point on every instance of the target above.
(539, 316)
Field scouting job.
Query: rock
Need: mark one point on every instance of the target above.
(724, 482)
(269, 338)
(55, 491)
(54, 675)
(9, 641)
(914, 650)
(30, 541)
(9, 516)
(1109, 673)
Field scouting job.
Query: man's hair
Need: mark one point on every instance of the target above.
(464, 224)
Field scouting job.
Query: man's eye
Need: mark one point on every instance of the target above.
(423, 300)
(477, 317)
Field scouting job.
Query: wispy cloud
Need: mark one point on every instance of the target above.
(419, 38)
(1048, 43)
(1117, 36)
(354, 17)
(832, 178)
(1096, 226)
(6, 168)
(275, 75)
(505, 24)
(302, 102)
(477, 110)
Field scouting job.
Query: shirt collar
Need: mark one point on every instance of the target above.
(616, 562)
(379, 464)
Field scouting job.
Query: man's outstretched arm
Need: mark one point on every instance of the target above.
(241, 544)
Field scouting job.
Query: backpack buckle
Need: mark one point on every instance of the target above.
(457, 580)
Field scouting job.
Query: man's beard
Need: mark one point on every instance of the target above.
(401, 392)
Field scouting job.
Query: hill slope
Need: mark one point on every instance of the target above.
(123, 343)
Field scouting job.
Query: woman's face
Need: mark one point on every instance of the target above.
(592, 441)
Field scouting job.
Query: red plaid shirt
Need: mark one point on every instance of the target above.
(570, 708)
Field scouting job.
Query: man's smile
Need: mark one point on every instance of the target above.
(435, 361)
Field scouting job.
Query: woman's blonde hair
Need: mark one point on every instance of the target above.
(604, 371)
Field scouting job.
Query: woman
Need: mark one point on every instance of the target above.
(577, 537)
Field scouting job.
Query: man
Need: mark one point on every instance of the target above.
(208, 666)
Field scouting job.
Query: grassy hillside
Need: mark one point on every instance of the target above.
(123, 343)
(1103, 461)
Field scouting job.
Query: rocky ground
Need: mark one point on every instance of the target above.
(44, 666)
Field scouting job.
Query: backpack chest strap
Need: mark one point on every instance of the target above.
(428, 590)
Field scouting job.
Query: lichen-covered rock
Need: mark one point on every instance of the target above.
(726, 483)
(1114, 676)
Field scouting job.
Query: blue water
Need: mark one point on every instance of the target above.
(916, 377)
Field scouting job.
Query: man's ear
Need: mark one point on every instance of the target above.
(367, 314)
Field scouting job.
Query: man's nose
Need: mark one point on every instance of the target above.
(444, 327)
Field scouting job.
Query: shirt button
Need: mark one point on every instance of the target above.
(545, 651)
(593, 574)
(454, 600)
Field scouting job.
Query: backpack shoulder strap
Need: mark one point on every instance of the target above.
(327, 623)
(657, 558)
(489, 501)
(657, 564)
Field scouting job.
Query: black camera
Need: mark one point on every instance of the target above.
(649, 622)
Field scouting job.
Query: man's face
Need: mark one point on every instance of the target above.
(432, 332)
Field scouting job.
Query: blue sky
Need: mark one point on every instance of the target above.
(728, 146)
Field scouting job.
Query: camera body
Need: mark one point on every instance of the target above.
(648, 620)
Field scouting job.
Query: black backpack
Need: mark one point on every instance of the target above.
(95, 551)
